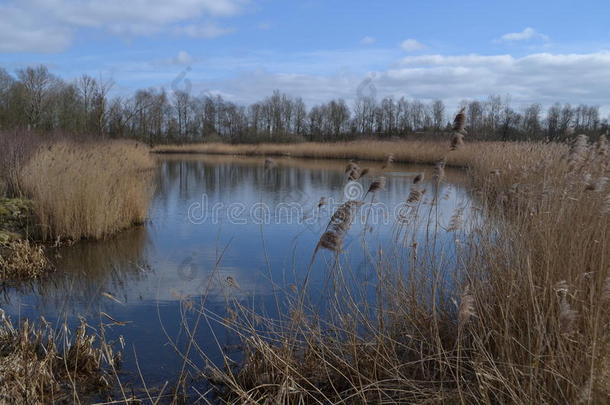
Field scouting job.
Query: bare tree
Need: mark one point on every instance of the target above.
(438, 114)
(36, 83)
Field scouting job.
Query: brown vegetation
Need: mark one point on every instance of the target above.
(88, 190)
(483, 154)
(22, 260)
(528, 323)
(41, 366)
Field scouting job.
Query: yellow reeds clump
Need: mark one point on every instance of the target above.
(88, 190)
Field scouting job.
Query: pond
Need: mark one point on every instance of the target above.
(223, 228)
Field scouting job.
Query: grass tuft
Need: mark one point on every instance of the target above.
(88, 190)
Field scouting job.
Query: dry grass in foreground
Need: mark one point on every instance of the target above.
(22, 260)
(41, 366)
(523, 319)
(88, 190)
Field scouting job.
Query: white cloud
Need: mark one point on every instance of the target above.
(143, 71)
(183, 58)
(50, 25)
(537, 78)
(203, 30)
(411, 45)
(525, 35)
(368, 40)
(19, 31)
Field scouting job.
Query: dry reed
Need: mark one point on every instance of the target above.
(528, 325)
(88, 190)
(39, 365)
(20, 260)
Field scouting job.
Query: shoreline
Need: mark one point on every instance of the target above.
(408, 152)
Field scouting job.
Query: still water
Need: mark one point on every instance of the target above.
(215, 219)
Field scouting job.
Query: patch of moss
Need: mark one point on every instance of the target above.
(16, 218)
(7, 236)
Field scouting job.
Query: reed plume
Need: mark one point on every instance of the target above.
(339, 224)
(459, 122)
(439, 171)
(418, 179)
(232, 282)
(457, 141)
(357, 173)
(330, 240)
(415, 195)
(388, 161)
(269, 163)
(456, 220)
(467, 309)
(351, 165)
(579, 150)
(377, 185)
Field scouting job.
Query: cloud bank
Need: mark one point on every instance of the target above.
(50, 25)
(536, 78)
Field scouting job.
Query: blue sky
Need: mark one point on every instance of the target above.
(538, 51)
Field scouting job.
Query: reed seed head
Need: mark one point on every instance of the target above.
(331, 240)
(467, 308)
(351, 166)
(457, 141)
(270, 164)
(377, 185)
(388, 161)
(439, 171)
(459, 122)
(415, 195)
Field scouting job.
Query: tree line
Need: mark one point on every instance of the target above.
(37, 100)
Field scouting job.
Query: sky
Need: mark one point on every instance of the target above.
(535, 50)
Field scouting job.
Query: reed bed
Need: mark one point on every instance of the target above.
(88, 190)
(485, 154)
(520, 316)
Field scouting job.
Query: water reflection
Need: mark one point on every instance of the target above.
(142, 275)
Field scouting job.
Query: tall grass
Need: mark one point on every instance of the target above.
(523, 319)
(88, 190)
